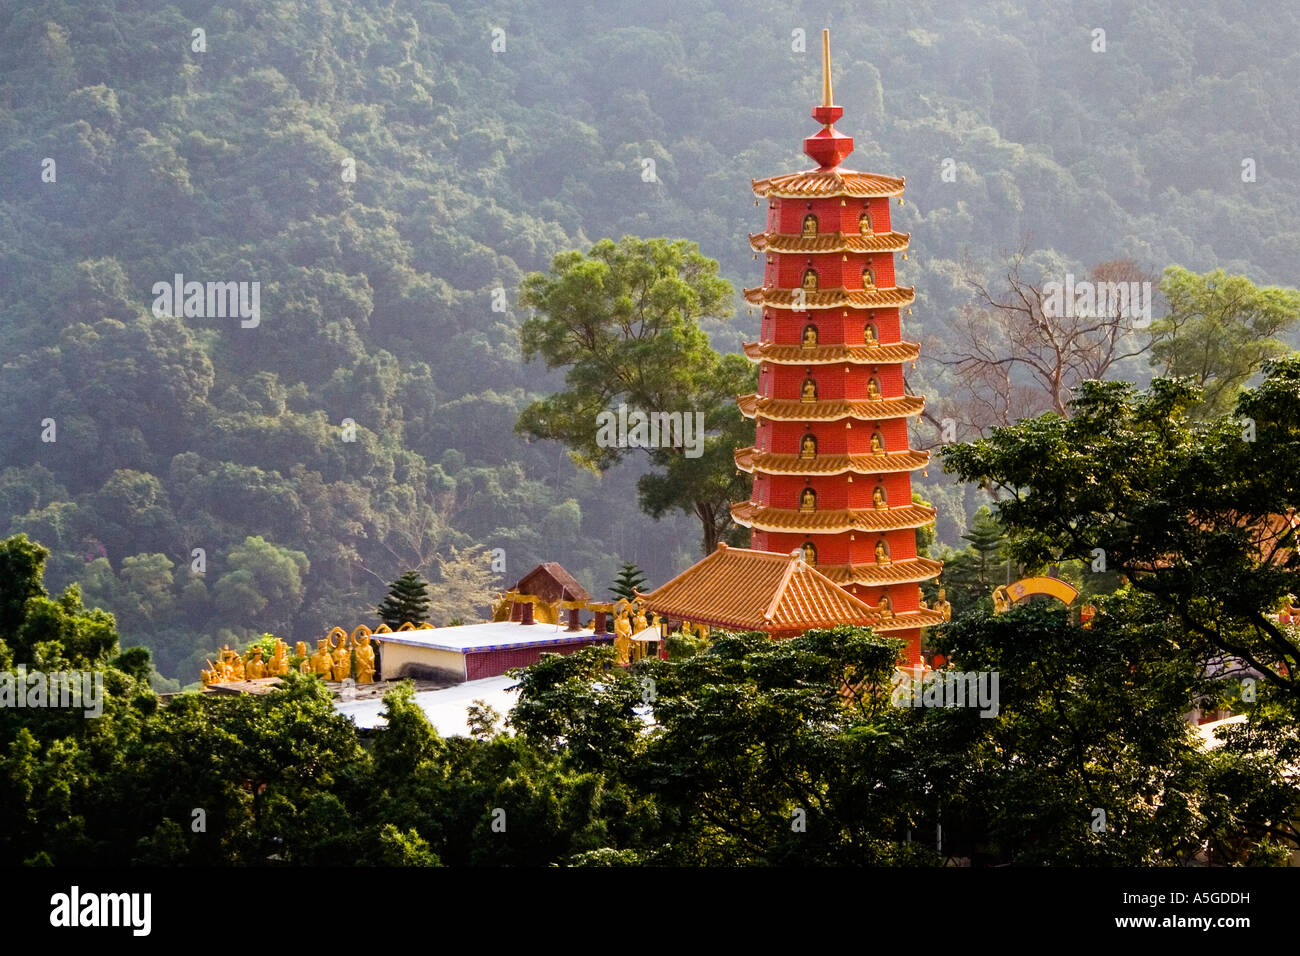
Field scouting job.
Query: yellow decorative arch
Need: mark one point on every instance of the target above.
(1005, 596)
(343, 637)
(358, 631)
(383, 629)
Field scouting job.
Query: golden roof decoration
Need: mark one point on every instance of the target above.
(829, 410)
(828, 183)
(828, 242)
(832, 354)
(751, 460)
(801, 300)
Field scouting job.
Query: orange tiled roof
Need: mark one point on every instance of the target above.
(746, 590)
(875, 575)
(828, 242)
(830, 521)
(828, 410)
(824, 183)
(829, 354)
(747, 459)
(830, 298)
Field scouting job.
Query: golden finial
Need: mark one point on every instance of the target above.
(827, 99)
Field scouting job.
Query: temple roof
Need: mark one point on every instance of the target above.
(830, 298)
(829, 520)
(750, 460)
(745, 590)
(876, 575)
(551, 582)
(828, 242)
(832, 354)
(828, 410)
(828, 183)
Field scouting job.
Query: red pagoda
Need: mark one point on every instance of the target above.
(831, 458)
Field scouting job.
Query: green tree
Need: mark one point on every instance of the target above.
(1195, 514)
(623, 321)
(630, 580)
(1219, 331)
(465, 587)
(407, 601)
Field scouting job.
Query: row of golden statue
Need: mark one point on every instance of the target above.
(630, 618)
(338, 656)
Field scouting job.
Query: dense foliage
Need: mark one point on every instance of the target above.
(752, 752)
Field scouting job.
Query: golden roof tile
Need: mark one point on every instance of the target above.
(828, 520)
(826, 183)
(802, 301)
(877, 575)
(832, 354)
(749, 460)
(828, 242)
(828, 410)
(741, 589)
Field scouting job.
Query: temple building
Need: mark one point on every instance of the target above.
(831, 458)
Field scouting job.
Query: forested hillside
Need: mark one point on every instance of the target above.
(485, 138)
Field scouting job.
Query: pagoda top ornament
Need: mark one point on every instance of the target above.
(827, 146)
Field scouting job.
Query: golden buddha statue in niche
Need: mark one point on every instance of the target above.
(809, 225)
(869, 336)
(879, 501)
(809, 337)
(808, 393)
(873, 389)
(864, 223)
(868, 278)
(882, 552)
(810, 554)
(809, 280)
(877, 443)
(808, 500)
(808, 447)
(886, 607)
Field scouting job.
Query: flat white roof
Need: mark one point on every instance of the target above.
(492, 636)
(447, 709)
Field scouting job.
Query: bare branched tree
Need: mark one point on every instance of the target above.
(1022, 349)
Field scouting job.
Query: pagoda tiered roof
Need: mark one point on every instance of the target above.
(827, 183)
(828, 410)
(751, 460)
(832, 354)
(828, 242)
(830, 521)
(801, 300)
(907, 620)
(906, 571)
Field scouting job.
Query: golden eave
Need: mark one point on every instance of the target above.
(908, 620)
(829, 410)
(749, 460)
(828, 242)
(802, 301)
(830, 521)
(882, 575)
(832, 354)
(827, 183)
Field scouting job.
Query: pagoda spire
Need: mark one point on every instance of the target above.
(827, 98)
(827, 146)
